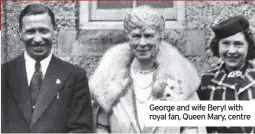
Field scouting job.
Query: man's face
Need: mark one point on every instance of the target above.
(37, 33)
(233, 51)
(144, 42)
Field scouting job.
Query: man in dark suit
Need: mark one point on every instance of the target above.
(40, 92)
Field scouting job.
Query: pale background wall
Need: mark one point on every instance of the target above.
(193, 39)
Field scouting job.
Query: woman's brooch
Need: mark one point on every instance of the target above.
(234, 74)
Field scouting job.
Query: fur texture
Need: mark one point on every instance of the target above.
(111, 78)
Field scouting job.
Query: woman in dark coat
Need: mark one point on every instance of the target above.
(234, 79)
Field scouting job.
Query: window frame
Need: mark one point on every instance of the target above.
(87, 24)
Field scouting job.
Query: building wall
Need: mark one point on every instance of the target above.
(85, 47)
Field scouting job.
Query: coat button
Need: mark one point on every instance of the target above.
(33, 107)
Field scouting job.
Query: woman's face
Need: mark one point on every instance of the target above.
(144, 42)
(233, 51)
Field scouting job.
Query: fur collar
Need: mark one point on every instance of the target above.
(111, 77)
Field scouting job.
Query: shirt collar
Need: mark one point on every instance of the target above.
(243, 69)
(221, 74)
(221, 68)
(44, 63)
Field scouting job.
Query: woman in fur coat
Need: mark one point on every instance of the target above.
(146, 68)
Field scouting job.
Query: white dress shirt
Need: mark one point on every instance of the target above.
(30, 66)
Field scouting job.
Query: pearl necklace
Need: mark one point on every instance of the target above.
(143, 101)
(141, 81)
(142, 84)
(143, 71)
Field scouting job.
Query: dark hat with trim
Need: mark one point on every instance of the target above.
(231, 26)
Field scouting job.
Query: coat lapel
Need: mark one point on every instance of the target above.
(128, 103)
(220, 79)
(129, 108)
(248, 81)
(52, 83)
(19, 87)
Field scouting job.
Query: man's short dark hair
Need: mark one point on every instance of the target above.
(35, 9)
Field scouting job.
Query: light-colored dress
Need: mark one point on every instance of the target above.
(112, 87)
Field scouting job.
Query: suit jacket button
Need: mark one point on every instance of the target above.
(33, 107)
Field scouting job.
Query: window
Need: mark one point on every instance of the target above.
(109, 14)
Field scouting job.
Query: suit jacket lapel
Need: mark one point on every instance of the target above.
(19, 87)
(52, 83)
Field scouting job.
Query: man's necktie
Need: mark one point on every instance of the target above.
(36, 83)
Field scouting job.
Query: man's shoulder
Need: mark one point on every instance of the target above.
(71, 67)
